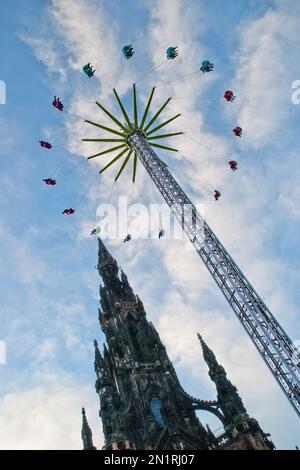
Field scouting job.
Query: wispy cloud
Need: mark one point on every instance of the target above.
(265, 67)
(42, 417)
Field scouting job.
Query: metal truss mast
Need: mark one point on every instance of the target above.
(273, 344)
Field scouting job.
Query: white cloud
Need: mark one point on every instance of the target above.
(46, 52)
(47, 417)
(289, 195)
(266, 63)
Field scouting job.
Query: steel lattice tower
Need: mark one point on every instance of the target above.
(273, 344)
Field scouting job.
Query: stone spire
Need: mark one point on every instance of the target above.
(86, 433)
(101, 368)
(209, 356)
(229, 400)
(112, 290)
(106, 263)
(104, 256)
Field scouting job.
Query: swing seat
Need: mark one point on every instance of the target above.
(233, 165)
(172, 52)
(69, 211)
(45, 145)
(207, 66)
(58, 105)
(238, 131)
(49, 182)
(229, 96)
(127, 51)
(88, 70)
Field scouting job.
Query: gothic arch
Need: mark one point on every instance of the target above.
(211, 409)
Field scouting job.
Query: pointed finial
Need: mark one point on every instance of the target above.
(202, 342)
(208, 354)
(105, 260)
(105, 350)
(103, 251)
(98, 357)
(84, 419)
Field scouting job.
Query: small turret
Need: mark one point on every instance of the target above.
(98, 360)
(126, 286)
(230, 402)
(86, 433)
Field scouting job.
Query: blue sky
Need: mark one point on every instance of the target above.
(49, 287)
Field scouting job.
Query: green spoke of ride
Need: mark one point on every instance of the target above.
(112, 149)
(111, 116)
(164, 147)
(164, 136)
(135, 160)
(163, 124)
(157, 114)
(147, 108)
(103, 140)
(123, 109)
(124, 164)
(127, 127)
(104, 127)
(135, 110)
(113, 160)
